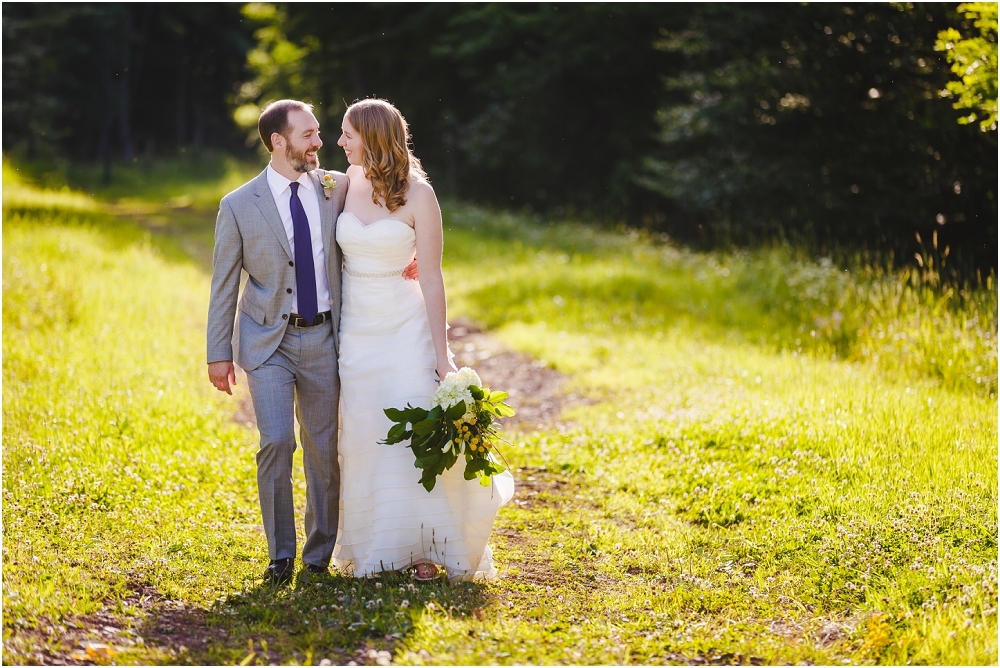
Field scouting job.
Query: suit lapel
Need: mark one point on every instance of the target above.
(265, 202)
(327, 222)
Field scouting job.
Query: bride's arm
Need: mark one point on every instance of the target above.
(430, 243)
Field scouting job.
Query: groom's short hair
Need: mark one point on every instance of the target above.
(274, 118)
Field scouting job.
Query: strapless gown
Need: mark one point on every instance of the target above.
(388, 521)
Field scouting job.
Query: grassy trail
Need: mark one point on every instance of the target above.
(779, 461)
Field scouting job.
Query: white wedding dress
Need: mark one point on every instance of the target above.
(388, 521)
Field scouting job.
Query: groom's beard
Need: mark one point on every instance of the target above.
(301, 162)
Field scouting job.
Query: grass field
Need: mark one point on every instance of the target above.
(780, 462)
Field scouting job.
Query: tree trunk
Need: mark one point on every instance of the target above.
(106, 118)
(125, 113)
(357, 77)
(198, 136)
(180, 123)
(137, 62)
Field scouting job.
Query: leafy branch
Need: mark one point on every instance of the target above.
(974, 60)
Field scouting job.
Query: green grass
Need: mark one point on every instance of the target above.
(607, 286)
(190, 180)
(756, 476)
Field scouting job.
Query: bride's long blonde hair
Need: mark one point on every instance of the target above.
(388, 160)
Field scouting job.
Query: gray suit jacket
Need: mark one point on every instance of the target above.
(249, 236)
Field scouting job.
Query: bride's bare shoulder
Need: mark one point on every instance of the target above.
(420, 190)
(423, 204)
(355, 172)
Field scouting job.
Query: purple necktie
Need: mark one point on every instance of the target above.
(305, 270)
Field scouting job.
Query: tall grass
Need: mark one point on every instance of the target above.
(610, 285)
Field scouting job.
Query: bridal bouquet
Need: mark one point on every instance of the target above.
(460, 423)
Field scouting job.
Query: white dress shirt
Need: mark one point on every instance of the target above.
(307, 195)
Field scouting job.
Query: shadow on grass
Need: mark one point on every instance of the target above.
(334, 617)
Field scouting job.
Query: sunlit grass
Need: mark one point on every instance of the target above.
(738, 488)
(195, 179)
(606, 286)
(20, 195)
(748, 485)
(120, 467)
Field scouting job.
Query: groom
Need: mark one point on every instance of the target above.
(280, 229)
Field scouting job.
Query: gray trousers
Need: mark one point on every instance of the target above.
(300, 376)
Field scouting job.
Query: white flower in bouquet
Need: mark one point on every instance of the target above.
(466, 377)
(455, 388)
(450, 393)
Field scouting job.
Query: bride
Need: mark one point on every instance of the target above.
(393, 351)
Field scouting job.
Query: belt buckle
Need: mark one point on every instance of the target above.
(298, 321)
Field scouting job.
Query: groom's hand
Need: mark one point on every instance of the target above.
(222, 375)
(411, 273)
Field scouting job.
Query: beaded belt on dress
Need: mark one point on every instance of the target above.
(374, 274)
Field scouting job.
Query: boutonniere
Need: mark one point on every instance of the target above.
(329, 183)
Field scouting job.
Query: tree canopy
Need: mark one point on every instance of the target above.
(715, 123)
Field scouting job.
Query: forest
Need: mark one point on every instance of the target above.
(834, 127)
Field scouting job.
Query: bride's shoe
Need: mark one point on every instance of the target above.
(425, 572)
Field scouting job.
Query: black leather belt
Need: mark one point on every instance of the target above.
(296, 320)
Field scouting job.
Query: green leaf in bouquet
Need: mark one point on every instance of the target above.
(429, 477)
(477, 393)
(434, 413)
(484, 480)
(397, 433)
(456, 411)
(472, 468)
(428, 481)
(492, 409)
(424, 462)
(492, 468)
(425, 426)
(405, 415)
(497, 397)
(414, 414)
(503, 410)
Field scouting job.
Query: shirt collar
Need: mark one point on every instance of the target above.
(279, 183)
